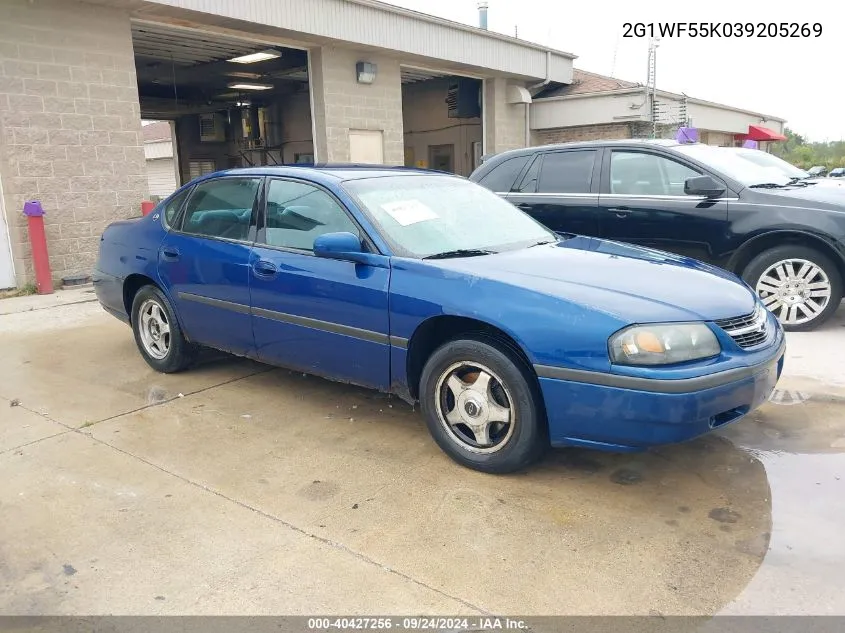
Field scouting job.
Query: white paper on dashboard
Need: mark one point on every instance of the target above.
(407, 212)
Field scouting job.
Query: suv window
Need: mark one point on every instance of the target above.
(298, 213)
(221, 208)
(640, 173)
(173, 206)
(567, 172)
(501, 178)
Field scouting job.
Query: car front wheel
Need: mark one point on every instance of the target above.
(482, 406)
(157, 333)
(801, 286)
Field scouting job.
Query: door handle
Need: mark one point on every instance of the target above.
(621, 212)
(523, 206)
(170, 254)
(264, 269)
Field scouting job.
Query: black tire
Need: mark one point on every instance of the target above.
(762, 262)
(517, 448)
(180, 353)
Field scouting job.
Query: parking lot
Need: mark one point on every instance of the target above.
(237, 488)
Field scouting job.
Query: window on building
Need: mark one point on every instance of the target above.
(501, 178)
(298, 213)
(567, 172)
(221, 208)
(197, 168)
(641, 173)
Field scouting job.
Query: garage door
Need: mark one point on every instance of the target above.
(161, 176)
(7, 270)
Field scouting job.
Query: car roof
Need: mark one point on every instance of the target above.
(327, 172)
(631, 142)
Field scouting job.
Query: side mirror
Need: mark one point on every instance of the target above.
(703, 186)
(347, 247)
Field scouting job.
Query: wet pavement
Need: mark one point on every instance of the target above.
(239, 488)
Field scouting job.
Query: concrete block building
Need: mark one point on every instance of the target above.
(235, 83)
(239, 83)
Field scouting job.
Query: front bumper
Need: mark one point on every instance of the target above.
(662, 412)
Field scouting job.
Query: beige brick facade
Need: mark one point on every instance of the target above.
(342, 104)
(610, 131)
(69, 127)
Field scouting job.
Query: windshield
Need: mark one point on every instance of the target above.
(730, 163)
(764, 159)
(428, 215)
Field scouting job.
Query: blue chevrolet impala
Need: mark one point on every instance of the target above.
(430, 287)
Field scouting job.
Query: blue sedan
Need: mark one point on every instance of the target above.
(430, 287)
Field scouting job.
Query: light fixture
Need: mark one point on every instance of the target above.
(260, 56)
(245, 86)
(366, 72)
(238, 74)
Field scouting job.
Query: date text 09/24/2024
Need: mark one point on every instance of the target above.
(722, 29)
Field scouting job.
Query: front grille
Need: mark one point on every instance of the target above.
(748, 330)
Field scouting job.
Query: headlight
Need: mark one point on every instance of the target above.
(663, 344)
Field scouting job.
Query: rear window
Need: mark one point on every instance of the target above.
(501, 178)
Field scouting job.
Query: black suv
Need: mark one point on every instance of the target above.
(784, 237)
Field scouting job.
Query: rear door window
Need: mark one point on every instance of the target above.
(173, 206)
(501, 178)
(221, 208)
(567, 172)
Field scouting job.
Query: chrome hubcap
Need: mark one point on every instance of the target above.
(475, 407)
(795, 290)
(154, 329)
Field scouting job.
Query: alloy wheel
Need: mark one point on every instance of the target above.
(154, 329)
(475, 407)
(795, 290)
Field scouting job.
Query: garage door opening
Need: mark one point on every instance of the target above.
(232, 102)
(442, 118)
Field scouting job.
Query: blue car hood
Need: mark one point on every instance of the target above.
(633, 284)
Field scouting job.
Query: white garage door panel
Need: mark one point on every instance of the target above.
(161, 177)
(366, 146)
(7, 268)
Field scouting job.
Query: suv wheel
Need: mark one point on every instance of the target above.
(802, 287)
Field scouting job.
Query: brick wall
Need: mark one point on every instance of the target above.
(69, 126)
(342, 104)
(610, 131)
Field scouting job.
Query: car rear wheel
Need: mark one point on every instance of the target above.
(157, 333)
(482, 406)
(802, 287)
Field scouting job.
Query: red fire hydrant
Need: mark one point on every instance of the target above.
(34, 213)
(147, 206)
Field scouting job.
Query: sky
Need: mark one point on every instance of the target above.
(792, 78)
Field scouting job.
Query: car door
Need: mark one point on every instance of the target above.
(560, 190)
(203, 263)
(323, 316)
(642, 201)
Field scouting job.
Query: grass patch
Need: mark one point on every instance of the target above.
(23, 291)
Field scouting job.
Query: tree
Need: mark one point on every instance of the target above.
(796, 150)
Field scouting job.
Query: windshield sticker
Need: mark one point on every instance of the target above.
(407, 212)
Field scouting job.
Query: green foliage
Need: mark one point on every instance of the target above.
(796, 150)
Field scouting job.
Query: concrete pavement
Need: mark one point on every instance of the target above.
(237, 488)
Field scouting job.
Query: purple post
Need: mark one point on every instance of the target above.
(687, 135)
(750, 144)
(33, 209)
